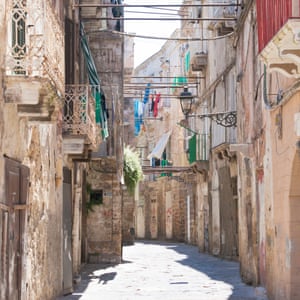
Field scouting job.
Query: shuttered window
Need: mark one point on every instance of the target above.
(192, 149)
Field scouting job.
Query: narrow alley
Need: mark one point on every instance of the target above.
(160, 270)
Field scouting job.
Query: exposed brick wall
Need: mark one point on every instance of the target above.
(104, 230)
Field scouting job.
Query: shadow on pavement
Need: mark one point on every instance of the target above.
(88, 273)
(217, 269)
(104, 278)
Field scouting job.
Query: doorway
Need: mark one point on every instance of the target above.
(12, 229)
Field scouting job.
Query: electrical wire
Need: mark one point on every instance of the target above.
(152, 13)
(163, 38)
(159, 8)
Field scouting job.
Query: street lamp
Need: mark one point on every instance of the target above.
(186, 101)
(225, 119)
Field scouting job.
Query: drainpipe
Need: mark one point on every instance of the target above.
(188, 210)
(266, 101)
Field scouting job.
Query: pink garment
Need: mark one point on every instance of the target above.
(155, 108)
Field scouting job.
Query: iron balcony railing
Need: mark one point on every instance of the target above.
(79, 113)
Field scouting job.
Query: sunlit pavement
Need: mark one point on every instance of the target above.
(168, 271)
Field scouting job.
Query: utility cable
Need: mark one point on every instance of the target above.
(152, 13)
(162, 38)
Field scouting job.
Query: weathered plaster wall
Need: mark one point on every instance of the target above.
(39, 148)
(202, 212)
(250, 130)
(282, 204)
(44, 217)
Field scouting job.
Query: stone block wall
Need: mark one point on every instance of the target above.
(104, 221)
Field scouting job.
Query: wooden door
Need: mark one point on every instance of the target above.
(12, 215)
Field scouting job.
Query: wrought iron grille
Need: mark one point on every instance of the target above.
(35, 41)
(79, 113)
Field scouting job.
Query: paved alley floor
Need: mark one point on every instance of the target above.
(164, 271)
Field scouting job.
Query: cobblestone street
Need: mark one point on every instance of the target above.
(168, 271)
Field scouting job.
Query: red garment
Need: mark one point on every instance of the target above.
(155, 108)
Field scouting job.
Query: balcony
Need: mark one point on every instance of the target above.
(199, 62)
(224, 27)
(81, 135)
(282, 53)
(34, 67)
(197, 149)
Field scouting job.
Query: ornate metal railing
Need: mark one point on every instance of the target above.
(35, 41)
(79, 113)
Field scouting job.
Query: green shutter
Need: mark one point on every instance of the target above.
(192, 148)
(187, 61)
(178, 81)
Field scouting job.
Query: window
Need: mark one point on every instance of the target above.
(96, 197)
(18, 32)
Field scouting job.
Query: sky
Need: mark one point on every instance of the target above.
(144, 48)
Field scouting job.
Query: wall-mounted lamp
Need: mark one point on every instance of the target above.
(225, 119)
(186, 101)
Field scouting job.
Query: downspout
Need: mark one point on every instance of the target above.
(188, 211)
(265, 96)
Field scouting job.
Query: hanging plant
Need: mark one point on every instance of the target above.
(132, 169)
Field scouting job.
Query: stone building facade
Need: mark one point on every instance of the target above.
(251, 192)
(214, 106)
(245, 203)
(103, 225)
(272, 135)
(31, 150)
(49, 128)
